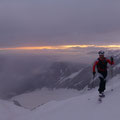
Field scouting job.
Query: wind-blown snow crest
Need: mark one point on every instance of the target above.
(39, 97)
(70, 76)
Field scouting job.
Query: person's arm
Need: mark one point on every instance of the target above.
(96, 62)
(94, 68)
(111, 62)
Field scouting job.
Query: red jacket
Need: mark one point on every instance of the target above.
(102, 64)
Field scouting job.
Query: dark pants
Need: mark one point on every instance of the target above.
(102, 84)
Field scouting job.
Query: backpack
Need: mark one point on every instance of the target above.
(102, 64)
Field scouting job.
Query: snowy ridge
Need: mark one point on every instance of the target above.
(39, 97)
(70, 76)
(82, 107)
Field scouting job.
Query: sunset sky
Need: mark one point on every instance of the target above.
(59, 24)
(63, 47)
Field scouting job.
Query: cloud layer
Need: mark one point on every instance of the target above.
(59, 22)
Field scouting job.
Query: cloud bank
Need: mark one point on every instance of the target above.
(59, 22)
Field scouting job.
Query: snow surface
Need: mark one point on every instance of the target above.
(8, 111)
(41, 96)
(82, 107)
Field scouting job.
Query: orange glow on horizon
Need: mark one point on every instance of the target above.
(61, 47)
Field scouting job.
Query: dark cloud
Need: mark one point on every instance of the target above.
(52, 22)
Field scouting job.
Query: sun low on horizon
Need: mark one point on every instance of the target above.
(60, 47)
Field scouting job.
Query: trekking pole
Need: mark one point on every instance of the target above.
(111, 71)
(93, 81)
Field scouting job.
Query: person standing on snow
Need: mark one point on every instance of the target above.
(101, 64)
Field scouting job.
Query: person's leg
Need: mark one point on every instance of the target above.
(102, 84)
(104, 81)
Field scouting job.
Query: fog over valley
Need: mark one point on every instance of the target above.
(17, 68)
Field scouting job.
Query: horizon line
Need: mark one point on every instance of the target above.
(57, 47)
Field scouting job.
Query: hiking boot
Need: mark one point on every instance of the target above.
(101, 94)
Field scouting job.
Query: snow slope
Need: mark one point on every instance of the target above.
(73, 75)
(41, 96)
(83, 107)
(9, 111)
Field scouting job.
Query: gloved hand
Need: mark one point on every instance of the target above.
(94, 74)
